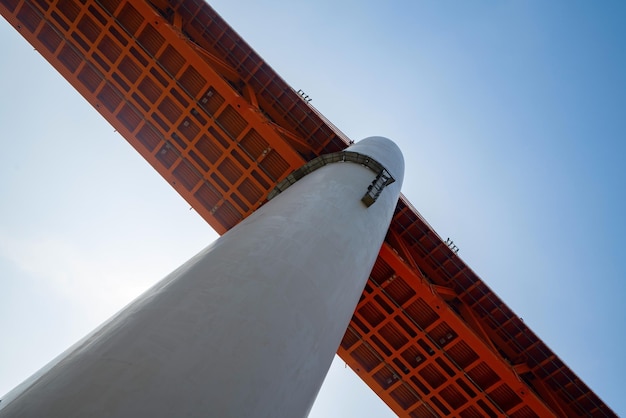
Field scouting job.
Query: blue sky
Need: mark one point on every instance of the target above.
(511, 117)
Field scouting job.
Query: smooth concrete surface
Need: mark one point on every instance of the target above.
(246, 328)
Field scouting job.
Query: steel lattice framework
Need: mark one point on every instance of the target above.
(211, 116)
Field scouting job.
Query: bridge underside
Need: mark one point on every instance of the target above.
(428, 336)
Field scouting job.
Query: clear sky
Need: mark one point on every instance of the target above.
(511, 116)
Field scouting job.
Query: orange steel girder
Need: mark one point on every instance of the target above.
(423, 336)
(428, 336)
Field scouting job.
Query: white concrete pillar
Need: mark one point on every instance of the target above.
(249, 326)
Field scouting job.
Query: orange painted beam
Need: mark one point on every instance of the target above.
(404, 331)
(160, 93)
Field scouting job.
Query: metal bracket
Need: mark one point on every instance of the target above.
(383, 177)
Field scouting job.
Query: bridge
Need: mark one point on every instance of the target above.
(224, 129)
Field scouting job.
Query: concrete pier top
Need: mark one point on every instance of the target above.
(383, 150)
